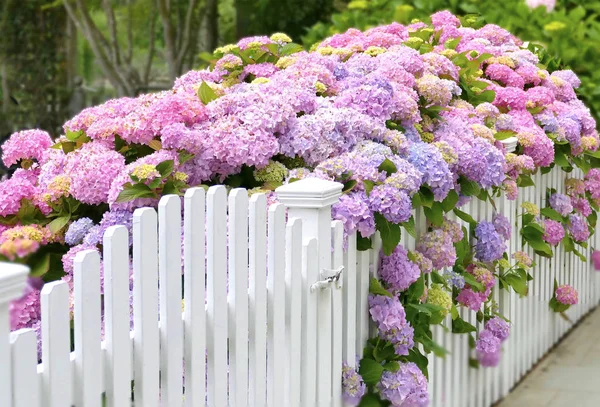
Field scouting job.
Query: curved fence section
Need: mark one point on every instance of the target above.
(234, 303)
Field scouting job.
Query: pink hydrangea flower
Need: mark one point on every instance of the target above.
(27, 144)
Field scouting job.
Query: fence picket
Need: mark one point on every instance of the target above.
(145, 307)
(117, 372)
(293, 281)
(276, 306)
(194, 319)
(87, 328)
(350, 308)
(216, 295)
(56, 345)
(238, 297)
(337, 260)
(258, 300)
(170, 297)
(25, 389)
(310, 272)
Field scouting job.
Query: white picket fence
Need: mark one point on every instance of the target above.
(265, 321)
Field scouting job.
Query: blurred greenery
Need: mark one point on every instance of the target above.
(60, 56)
(570, 33)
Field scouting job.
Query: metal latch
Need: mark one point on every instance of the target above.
(329, 277)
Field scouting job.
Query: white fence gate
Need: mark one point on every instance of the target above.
(265, 320)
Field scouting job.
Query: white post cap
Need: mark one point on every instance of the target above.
(309, 193)
(510, 144)
(13, 278)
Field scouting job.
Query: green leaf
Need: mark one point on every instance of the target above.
(426, 308)
(135, 191)
(40, 265)
(290, 48)
(469, 188)
(430, 344)
(436, 278)
(518, 284)
(165, 168)
(388, 167)
(369, 185)
(370, 371)
(409, 226)
(450, 202)
(390, 233)
(59, 223)
(206, 94)
(504, 134)
(170, 189)
(363, 243)
(552, 214)
(469, 279)
(427, 197)
(454, 312)
(474, 363)
(349, 185)
(415, 356)
(392, 366)
(435, 214)
(370, 400)
(376, 288)
(74, 135)
(465, 216)
(525, 180)
(68, 146)
(460, 326)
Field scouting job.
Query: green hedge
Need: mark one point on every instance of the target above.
(570, 33)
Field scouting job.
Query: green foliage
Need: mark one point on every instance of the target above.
(570, 33)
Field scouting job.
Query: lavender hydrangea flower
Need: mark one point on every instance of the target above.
(397, 271)
(437, 246)
(489, 246)
(498, 327)
(454, 279)
(390, 317)
(436, 174)
(77, 231)
(502, 225)
(561, 204)
(405, 387)
(354, 212)
(392, 203)
(353, 386)
(578, 228)
(488, 348)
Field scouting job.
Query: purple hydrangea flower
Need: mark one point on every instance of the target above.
(489, 246)
(405, 387)
(390, 317)
(502, 225)
(498, 327)
(353, 386)
(561, 204)
(397, 271)
(392, 203)
(354, 212)
(77, 231)
(578, 228)
(437, 246)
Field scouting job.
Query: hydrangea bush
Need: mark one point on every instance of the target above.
(410, 119)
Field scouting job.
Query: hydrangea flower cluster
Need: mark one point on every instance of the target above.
(353, 386)
(390, 317)
(405, 387)
(490, 244)
(566, 294)
(397, 271)
(561, 204)
(469, 296)
(596, 259)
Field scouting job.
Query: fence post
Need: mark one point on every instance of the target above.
(12, 283)
(311, 199)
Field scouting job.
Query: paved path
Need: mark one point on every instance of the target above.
(569, 376)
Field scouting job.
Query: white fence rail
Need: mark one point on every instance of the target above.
(264, 320)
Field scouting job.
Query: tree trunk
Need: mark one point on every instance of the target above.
(211, 25)
(243, 10)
